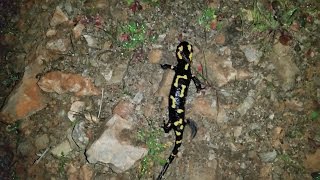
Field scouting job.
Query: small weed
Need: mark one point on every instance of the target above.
(132, 35)
(62, 164)
(281, 16)
(314, 115)
(155, 148)
(208, 19)
(14, 128)
(11, 80)
(291, 163)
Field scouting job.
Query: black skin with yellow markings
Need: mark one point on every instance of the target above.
(177, 99)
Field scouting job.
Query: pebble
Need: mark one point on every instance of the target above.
(63, 148)
(268, 156)
(42, 142)
(155, 56)
(58, 17)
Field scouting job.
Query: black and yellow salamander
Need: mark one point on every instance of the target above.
(177, 99)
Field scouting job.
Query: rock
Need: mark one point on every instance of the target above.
(86, 173)
(77, 30)
(266, 172)
(25, 148)
(268, 156)
(79, 135)
(155, 56)
(251, 53)
(63, 148)
(51, 33)
(138, 98)
(164, 87)
(220, 39)
(312, 162)
(59, 82)
(219, 68)
(58, 17)
(124, 109)
(111, 149)
(247, 103)
(76, 108)
(237, 131)
(42, 142)
(91, 42)
(285, 67)
(202, 106)
(27, 98)
(58, 45)
(115, 74)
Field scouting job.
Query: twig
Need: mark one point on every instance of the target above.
(100, 103)
(42, 155)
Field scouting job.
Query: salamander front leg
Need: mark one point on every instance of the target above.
(166, 126)
(168, 66)
(197, 82)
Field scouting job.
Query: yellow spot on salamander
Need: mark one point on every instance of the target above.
(177, 123)
(177, 79)
(183, 87)
(178, 133)
(180, 48)
(179, 142)
(173, 102)
(181, 127)
(179, 111)
(179, 55)
(190, 56)
(186, 67)
(189, 48)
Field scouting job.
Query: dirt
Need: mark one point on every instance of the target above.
(258, 116)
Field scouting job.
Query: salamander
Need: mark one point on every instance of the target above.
(177, 98)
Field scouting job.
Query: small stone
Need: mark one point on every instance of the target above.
(86, 173)
(51, 32)
(138, 98)
(58, 45)
(247, 103)
(58, 17)
(77, 30)
(251, 53)
(155, 56)
(220, 39)
(25, 148)
(76, 108)
(268, 156)
(237, 131)
(79, 135)
(92, 42)
(63, 148)
(42, 142)
(164, 87)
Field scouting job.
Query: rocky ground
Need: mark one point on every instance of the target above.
(83, 96)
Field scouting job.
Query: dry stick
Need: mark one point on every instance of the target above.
(100, 103)
(42, 155)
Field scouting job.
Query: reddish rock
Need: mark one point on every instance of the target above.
(124, 109)
(60, 82)
(220, 39)
(27, 98)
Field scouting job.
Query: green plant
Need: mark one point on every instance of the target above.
(154, 149)
(280, 17)
(62, 164)
(314, 115)
(208, 19)
(132, 35)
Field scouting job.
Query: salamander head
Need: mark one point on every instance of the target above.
(184, 52)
